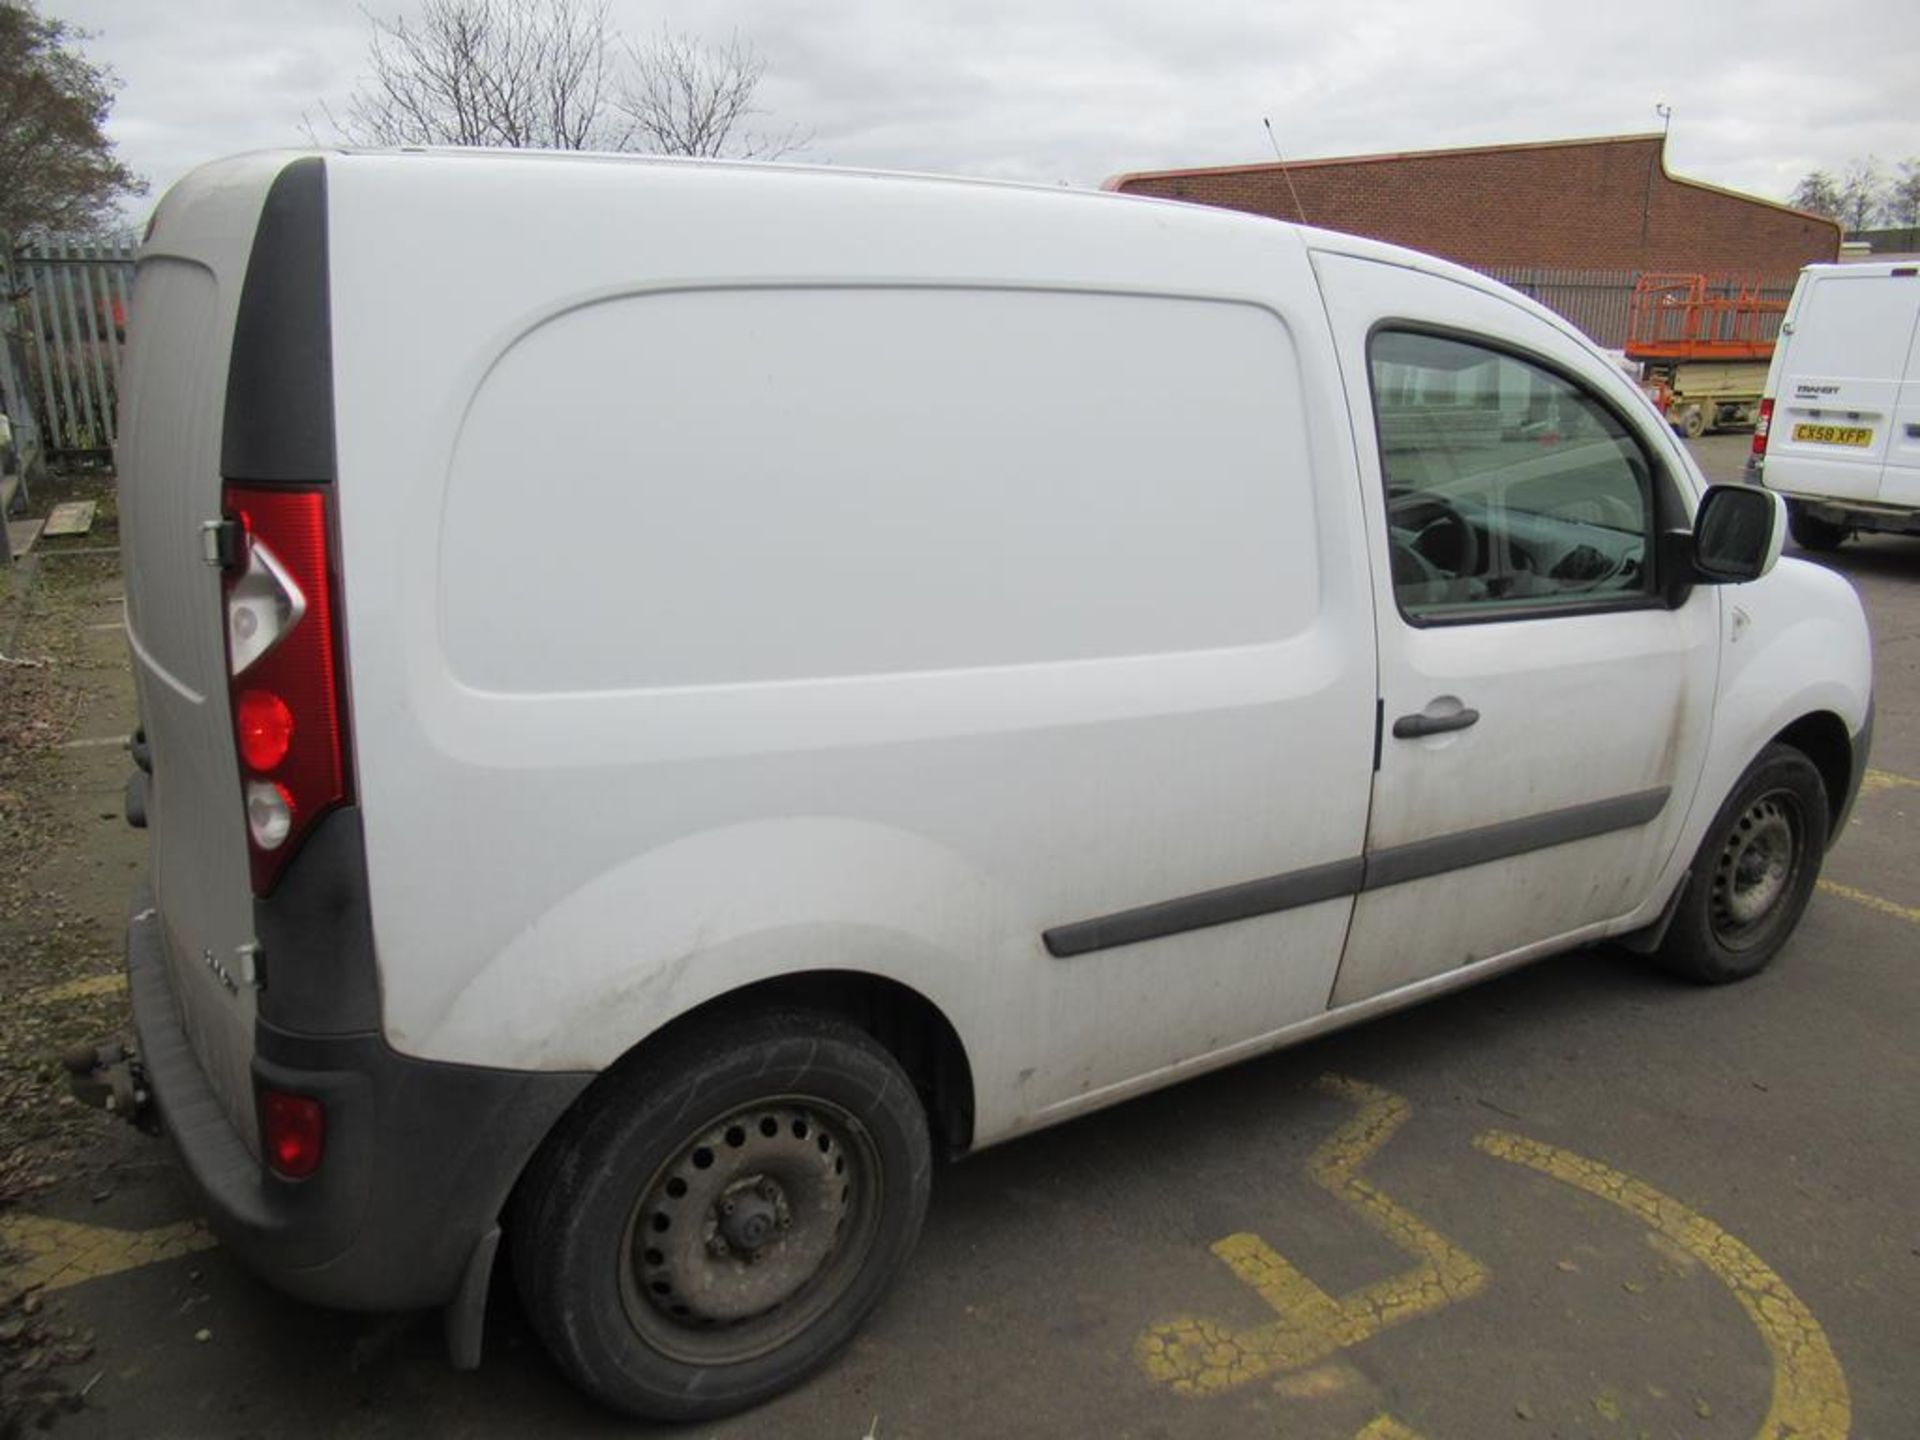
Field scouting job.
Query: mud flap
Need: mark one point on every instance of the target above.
(465, 1317)
(1647, 938)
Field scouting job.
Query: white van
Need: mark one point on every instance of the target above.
(676, 692)
(1839, 431)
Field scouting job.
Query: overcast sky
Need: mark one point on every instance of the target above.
(1052, 91)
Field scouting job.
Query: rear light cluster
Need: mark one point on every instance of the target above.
(283, 669)
(1762, 425)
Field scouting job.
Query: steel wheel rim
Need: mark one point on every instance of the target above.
(751, 1231)
(1756, 869)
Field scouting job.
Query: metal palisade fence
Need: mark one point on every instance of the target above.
(63, 331)
(1600, 302)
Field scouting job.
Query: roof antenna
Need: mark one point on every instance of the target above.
(1285, 173)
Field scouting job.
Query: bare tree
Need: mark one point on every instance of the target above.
(686, 97)
(554, 74)
(1817, 192)
(1903, 196)
(506, 73)
(1861, 195)
(57, 166)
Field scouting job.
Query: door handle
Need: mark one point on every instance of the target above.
(1412, 727)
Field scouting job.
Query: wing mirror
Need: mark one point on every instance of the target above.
(1736, 537)
(1737, 533)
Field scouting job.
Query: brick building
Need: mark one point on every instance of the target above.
(1604, 204)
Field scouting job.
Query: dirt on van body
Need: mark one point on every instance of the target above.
(67, 863)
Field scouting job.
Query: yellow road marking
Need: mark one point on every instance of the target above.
(1885, 780)
(57, 1253)
(1909, 913)
(1810, 1397)
(1322, 1382)
(1197, 1356)
(78, 989)
(1385, 1427)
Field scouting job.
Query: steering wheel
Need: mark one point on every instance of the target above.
(1441, 535)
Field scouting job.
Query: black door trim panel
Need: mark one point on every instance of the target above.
(1398, 864)
(1209, 907)
(1395, 865)
(278, 423)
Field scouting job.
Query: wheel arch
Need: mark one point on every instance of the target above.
(909, 1026)
(1823, 738)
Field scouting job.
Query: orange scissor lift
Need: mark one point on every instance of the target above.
(1704, 348)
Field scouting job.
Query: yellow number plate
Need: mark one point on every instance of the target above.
(1833, 434)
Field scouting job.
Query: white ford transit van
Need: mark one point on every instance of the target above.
(1839, 433)
(673, 692)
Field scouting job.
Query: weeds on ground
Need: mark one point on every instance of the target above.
(48, 938)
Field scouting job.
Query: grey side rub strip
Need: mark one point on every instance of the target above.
(1395, 865)
(1209, 907)
(1400, 863)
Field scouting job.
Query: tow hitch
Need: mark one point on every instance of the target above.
(110, 1077)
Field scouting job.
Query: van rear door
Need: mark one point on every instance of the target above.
(1900, 482)
(186, 295)
(1847, 341)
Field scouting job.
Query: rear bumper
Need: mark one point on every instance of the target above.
(1860, 515)
(420, 1156)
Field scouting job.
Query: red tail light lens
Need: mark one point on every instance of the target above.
(266, 729)
(293, 1129)
(283, 665)
(1762, 425)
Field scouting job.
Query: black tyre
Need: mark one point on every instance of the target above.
(1693, 423)
(1754, 872)
(1810, 532)
(717, 1219)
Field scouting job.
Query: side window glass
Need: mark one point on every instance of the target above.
(1508, 487)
